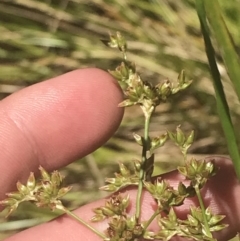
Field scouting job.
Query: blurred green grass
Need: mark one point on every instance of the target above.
(43, 39)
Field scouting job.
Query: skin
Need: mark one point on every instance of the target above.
(57, 121)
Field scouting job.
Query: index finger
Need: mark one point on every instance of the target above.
(54, 122)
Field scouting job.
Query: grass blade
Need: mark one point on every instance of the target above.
(222, 105)
(225, 42)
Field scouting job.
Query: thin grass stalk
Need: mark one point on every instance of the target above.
(225, 42)
(222, 105)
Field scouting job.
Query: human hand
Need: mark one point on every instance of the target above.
(60, 120)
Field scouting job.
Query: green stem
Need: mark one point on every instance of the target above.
(151, 219)
(184, 152)
(209, 234)
(124, 56)
(144, 158)
(71, 214)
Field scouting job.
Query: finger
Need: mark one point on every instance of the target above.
(66, 228)
(222, 194)
(55, 122)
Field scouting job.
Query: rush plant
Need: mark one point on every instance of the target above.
(200, 223)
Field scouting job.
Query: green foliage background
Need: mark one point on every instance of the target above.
(42, 39)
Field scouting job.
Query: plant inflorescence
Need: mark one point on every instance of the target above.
(199, 224)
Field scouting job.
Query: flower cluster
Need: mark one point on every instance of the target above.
(137, 91)
(46, 192)
(200, 222)
(193, 227)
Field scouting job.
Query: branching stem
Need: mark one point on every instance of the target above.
(209, 234)
(71, 214)
(142, 171)
(151, 219)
